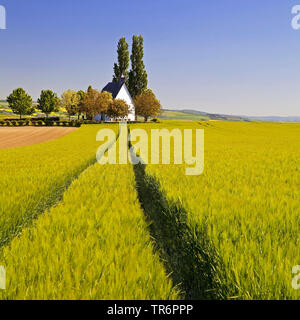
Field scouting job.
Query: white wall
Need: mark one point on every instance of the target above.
(125, 95)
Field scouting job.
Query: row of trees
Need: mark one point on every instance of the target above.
(89, 103)
(92, 102)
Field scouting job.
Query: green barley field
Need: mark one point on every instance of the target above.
(71, 228)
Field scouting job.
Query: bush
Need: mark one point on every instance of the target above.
(40, 123)
(156, 120)
(44, 119)
(91, 122)
(75, 123)
(49, 123)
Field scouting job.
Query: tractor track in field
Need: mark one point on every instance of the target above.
(41, 207)
(46, 204)
(188, 255)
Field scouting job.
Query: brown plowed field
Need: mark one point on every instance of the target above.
(18, 137)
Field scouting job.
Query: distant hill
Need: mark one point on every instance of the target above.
(198, 115)
(202, 116)
(276, 119)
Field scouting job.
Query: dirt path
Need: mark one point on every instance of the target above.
(17, 137)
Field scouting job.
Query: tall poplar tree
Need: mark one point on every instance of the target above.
(123, 61)
(138, 78)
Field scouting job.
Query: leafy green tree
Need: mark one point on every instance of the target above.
(123, 61)
(81, 95)
(138, 78)
(20, 102)
(48, 102)
(70, 100)
(147, 105)
(118, 109)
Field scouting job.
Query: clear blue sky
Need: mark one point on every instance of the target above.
(229, 56)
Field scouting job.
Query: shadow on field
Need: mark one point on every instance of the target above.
(188, 255)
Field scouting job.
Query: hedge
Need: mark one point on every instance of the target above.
(39, 123)
(34, 119)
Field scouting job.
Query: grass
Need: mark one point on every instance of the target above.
(191, 263)
(34, 178)
(246, 204)
(177, 115)
(189, 115)
(4, 116)
(6, 112)
(94, 245)
(150, 231)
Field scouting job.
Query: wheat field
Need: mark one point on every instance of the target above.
(74, 229)
(245, 204)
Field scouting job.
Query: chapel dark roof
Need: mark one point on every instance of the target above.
(114, 87)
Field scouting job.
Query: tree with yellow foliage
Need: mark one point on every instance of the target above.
(118, 109)
(70, 101)
(95, 102)
(147, 105)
